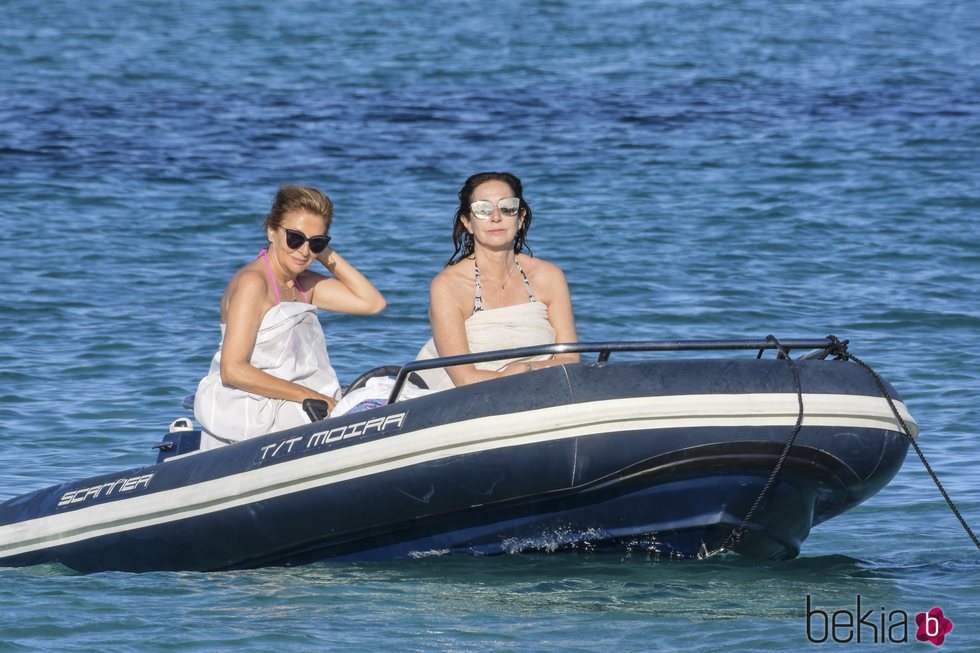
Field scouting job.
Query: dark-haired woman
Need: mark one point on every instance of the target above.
(491, 294)
(273, 353)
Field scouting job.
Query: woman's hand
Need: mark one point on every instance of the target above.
(313, 394)
(518, 367)
(325, 257)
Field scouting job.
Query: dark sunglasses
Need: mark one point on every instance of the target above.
(295, 240)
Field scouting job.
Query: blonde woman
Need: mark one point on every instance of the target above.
(273, 353)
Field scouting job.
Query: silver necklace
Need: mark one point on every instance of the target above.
(504, 283)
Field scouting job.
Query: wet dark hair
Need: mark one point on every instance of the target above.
(462, 240)
(299, 198)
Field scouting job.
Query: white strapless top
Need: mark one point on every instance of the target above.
(519, 325)
(290, 344)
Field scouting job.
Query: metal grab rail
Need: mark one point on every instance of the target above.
(824, 347)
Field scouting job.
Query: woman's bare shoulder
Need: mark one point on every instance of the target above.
(453, 278)
(247, 288)
(545, 271)
(248, 280)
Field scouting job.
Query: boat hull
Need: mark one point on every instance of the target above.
(660, 457)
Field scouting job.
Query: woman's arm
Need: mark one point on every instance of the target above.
(550, 280)
(349, 291)
(243, 316)
(560, 313)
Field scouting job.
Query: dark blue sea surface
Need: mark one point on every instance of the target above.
(699, 169)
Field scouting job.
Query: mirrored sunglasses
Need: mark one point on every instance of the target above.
(295, 240)
(508, 207)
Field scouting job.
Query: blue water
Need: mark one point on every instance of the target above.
(700, 169)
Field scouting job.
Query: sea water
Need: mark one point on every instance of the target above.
(699, 169)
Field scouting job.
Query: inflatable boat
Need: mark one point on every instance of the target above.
(647, 451)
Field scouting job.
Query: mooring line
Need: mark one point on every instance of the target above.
(735, 536)
(839, 349)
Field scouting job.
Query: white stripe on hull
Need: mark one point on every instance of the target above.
(445, 441)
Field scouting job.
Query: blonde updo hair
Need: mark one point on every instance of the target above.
(299, 198)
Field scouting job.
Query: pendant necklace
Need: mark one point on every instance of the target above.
(503, 284)
(286, 287)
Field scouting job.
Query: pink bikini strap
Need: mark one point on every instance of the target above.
(268, 268)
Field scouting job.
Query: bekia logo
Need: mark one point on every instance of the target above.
(933, 626)
(873, 625)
